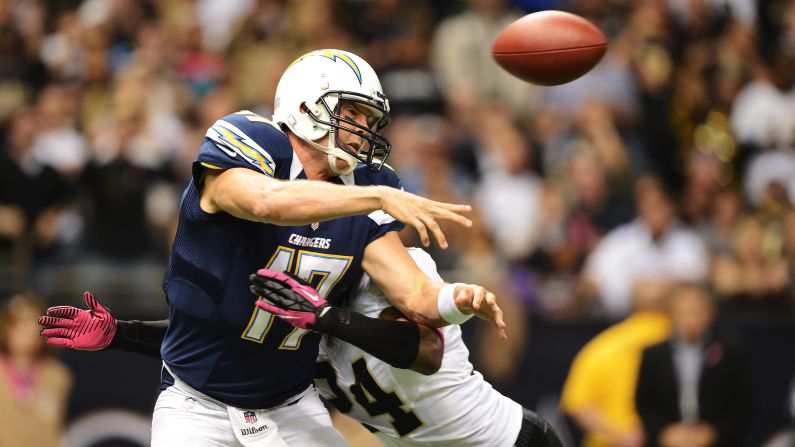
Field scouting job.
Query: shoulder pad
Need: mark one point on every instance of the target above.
(252, 138)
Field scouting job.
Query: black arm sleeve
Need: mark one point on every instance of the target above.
(395, 342)
(143, 337)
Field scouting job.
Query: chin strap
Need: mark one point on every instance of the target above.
(332, 163)
(334, 153)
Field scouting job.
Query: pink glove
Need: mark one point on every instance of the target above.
(288, 297)
(70, 327)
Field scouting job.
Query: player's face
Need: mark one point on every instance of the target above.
(657, 211)
(351, 140)
(691, 313)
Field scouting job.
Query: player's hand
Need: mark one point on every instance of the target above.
(472, 298)
(69, 327)
(288, 297)
(422, 213)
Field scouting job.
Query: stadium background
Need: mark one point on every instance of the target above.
(103, 104)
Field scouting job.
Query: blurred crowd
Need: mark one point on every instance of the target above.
(674, 159)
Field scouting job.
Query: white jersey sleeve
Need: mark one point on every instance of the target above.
(454, 407)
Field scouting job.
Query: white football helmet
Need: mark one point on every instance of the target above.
(308, 103)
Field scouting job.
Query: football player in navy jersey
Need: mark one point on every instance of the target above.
(304, 193)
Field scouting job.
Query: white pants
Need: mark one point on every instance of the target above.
(186, 417)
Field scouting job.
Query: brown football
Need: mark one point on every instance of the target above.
(549, 47)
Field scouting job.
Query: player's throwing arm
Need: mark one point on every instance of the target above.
(251, 196)
(412, 292)
(422, 213)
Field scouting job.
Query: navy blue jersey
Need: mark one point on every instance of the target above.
(218, 341)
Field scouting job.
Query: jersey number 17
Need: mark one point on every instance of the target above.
(321, 270)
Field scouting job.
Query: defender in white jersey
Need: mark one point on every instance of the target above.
(453, 407)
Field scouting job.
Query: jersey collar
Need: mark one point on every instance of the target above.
(348, 179)
(296, 168)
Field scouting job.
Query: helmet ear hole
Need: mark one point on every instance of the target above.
(303, 108)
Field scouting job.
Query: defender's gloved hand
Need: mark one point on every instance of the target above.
(70, 327)
(288, 297)
(295, 301)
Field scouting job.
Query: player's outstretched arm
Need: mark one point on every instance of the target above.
(431, 346)
(95, 329)
(420, 298)
(249, 195)
(396, 341)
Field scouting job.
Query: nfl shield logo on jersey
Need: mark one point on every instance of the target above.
(250, 417)
(315, 226)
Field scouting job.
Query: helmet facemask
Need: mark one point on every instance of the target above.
(375, 147)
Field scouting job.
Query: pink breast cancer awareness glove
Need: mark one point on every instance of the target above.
(288, 297)
(70, 327)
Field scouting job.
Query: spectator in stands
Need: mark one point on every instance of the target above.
(769, 180)
(34, 387)
(461, 56)
(760, 114)
(694, 389)
(509, 192)
(702, 181)
(725, 215)
(754, 278)
(655, 245)
(126, 219)
(116, 184)
(600, 388)
(57, 142)
(408, 80)
(30, 201)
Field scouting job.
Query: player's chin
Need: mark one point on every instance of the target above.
(342, 164)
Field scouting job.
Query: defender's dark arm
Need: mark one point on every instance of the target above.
(430, 349)
(143, 337)
(391, 338)
(402, 344)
